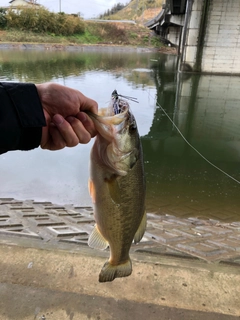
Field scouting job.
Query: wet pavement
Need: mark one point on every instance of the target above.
(208, 240)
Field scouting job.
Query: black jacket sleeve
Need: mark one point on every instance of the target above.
(21, 117)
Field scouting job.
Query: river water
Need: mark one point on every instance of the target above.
(180, 181)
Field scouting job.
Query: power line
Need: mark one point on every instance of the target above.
(76, 3)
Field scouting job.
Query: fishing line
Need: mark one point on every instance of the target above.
(181, 134)
(190, 145)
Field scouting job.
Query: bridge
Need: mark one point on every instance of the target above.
(206, 33)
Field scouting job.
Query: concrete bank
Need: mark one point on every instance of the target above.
(40, 281)
(82, 47)
(184, 268)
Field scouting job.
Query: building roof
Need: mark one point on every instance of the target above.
(28, 1)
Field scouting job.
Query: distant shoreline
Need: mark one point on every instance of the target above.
(82, 47)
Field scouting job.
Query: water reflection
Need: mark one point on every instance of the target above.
(48, 65)
(206, 110)
(96, 74)
(179, 181)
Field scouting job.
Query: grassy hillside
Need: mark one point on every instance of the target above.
(92, 32)
(104, 33)
(138, 10)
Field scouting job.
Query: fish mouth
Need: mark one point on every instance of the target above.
(115, 114)
(118, 105)
(121, 106)
(115, 118)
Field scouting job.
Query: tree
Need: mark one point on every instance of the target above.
(3, 19)
(117, 7)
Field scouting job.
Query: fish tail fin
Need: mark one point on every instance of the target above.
(109, 272)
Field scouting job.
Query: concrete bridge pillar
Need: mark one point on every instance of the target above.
(211, 37)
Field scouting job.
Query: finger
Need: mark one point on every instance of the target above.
(57, 142)
(66, 131)
(88, 104)
(87, 123)
(51, 138)
(83, 135)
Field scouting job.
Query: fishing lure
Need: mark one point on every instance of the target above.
(119, 104)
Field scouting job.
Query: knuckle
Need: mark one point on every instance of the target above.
(73, 142)
(60, 145)
(85, 139)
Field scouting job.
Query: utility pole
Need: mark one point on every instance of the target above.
(60, 9)
(143, 7)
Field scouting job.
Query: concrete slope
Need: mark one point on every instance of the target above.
(43, 281)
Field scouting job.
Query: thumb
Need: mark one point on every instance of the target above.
(57, 119)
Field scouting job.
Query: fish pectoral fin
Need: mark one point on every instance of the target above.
(141, 229)
(114, 190)
(109, 272)
(96, 240)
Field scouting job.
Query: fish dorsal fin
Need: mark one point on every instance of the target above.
(96, 240)
(141, 229)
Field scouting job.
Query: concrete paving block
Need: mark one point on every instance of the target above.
(213, 230)
(202, 249)
(229, 244)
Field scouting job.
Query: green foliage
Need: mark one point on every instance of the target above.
(107, 33)
(3, 20)
(86, 38)
(3, 10)
(156, 41)
(133, 35)
(41, 20)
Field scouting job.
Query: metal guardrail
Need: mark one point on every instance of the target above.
(156, 20)
(102, 20)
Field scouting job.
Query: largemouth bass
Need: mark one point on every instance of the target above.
(117, 187)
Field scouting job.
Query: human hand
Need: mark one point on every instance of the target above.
(67, 125)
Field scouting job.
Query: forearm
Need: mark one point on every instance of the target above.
(21, 117)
